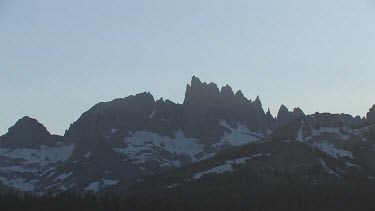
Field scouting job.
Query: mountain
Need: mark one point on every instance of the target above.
(317, 158)
(27, 132)
(319, 149)
(138, 135)
(29, 153)
(139, 141)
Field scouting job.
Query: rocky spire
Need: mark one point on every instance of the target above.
(227, 91)
(298, 113)
(205, 105)
(371, 115)
(285, 116)
(271, 121)
(200, 93)
(257, 102)
(195, 81)
(239, 95)
(283, 111)
(268, 113)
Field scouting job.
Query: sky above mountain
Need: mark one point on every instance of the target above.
(59, 58)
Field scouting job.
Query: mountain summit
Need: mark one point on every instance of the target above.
(26, 132)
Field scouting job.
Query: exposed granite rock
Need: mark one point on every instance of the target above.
(371, 115)
(285, 116)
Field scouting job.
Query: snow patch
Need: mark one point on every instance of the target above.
(97, 185)
(108, 182)
(216, 170)
(87, 155)
(42, 156)
(300, 133)
(19, 183)
(170, 163)
(142, 144)
(173, 185)
(94, 187)
(63, 185)
(330, 130)
(19, 169)
(63, 176)
(349, 164)
(113, 131)
(331, 150)
(66, 187)
(237, 136)
(152, 115)
(329, 171)
(227, 167)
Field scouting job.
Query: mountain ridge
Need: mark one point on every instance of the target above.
(132, 137)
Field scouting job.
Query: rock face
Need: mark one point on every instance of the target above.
(285, 116)
(27, 132)
(352, 121)
(271, 121)
(131, 137)
(314, 150)
(205, 106)
(371, 115)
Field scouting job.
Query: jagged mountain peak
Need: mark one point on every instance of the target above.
(240, 95)
(25, 133)
(205, 105)
(227, 91)
(285, 116)
(268, 113)
(283, 108)
(371, 115)
(297, 111)
(195, 81)
(257, 102)
(199, 92)
(326, 120)
(29, 127)
(142, 97)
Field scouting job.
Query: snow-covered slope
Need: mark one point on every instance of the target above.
(67, 166)
(24, 169)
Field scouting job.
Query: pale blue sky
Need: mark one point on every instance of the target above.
(59, 58)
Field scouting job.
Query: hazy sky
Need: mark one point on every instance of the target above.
(59, 58)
